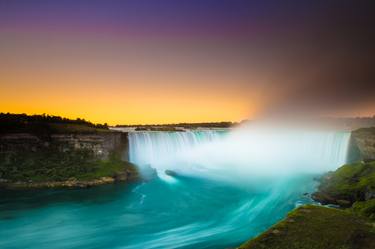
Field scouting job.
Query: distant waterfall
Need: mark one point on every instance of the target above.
(241, 152)
(149, 148)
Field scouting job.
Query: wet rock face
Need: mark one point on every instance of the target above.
(170, 172)
(50, 160)
(100, 145)
(364, 139)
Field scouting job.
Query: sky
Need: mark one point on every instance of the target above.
(167, 61)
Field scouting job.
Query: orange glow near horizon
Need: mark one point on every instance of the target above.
(126, 82)
(115, 112)
(129, 80)
(116, 103)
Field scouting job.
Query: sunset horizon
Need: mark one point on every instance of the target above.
(166, 62)
(187, 124)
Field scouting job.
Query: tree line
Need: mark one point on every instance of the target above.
(11, 122)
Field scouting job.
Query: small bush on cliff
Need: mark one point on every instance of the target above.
(113, 167)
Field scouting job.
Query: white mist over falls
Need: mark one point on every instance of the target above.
(241, 153)
(226, 187)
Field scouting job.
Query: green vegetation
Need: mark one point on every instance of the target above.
(365, 131)
(46, 124)
(39, 157)
(364, 208)
(315, 227)
(352, 186)
(113, 167)
(54, 165)
(348, 184)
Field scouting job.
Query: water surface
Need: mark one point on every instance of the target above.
(188, 213)
(228, 189)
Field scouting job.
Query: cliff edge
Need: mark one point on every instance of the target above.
(351, 225)
(44, 151)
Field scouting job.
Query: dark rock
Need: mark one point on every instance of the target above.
(170, 172)
(369, 194)
(344, 203)
(364, 139)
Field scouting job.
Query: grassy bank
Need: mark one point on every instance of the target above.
(42, 149)
(351, 226)
(349, 184)
(315, 227)
(54, 165)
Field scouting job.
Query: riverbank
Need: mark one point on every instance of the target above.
(70, 183)
(100, 172)
(351, 225)
(350, 190)
(51, 152)
(317, 227)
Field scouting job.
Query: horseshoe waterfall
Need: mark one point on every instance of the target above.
(207, 189)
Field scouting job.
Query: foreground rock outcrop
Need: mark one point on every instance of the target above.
(351, 225)
(62, 155)
(99, 144)
(349, 184)
(317, 227)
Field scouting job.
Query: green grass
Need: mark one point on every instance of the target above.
(112, 167)
(54, 165)
(364, 208)
(350, 183)
(316, 227)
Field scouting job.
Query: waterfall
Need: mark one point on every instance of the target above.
(158, 149)
(240, 153)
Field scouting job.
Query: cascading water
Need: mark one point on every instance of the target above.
(247, 152)
(161, 150)
(229, 186)
(161, 147)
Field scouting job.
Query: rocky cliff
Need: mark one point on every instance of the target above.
(364, 140)
(316, 227)
(352, 188)
(64, 159)
(100, 145)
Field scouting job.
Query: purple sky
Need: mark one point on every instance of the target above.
(270, 56)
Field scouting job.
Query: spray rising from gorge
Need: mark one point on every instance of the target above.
(240, 153)
(214, 189)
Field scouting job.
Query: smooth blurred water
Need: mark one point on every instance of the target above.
(190, 213)
(228, 189)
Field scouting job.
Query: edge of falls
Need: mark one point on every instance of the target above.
(239, 153)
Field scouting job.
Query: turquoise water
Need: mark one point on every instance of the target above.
(229, 188)
(188, 213)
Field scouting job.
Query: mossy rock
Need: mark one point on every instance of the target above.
(348, 184)
(317, 227)
(54, 165)
(364, 208)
